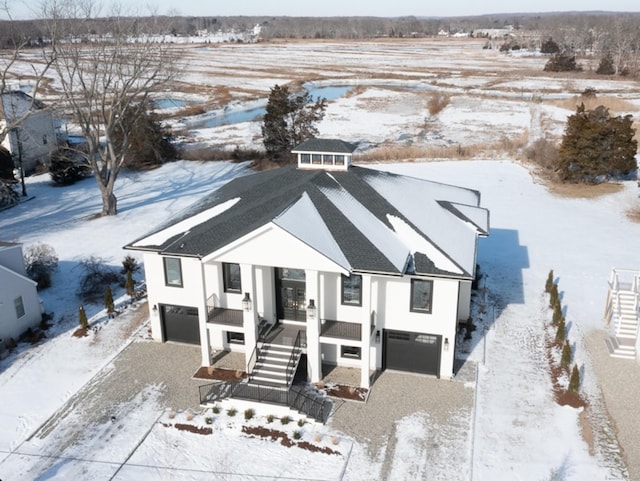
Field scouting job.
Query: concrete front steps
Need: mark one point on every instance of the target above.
(621, 347)
(271, 367)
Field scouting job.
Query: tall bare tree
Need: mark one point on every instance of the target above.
(102, 77)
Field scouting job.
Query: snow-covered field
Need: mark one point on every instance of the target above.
(517, 430)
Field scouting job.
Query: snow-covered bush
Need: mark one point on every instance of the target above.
(40, 260)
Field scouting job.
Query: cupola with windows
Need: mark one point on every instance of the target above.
(324, 154)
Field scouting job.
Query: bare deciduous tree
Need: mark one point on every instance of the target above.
(101, 78)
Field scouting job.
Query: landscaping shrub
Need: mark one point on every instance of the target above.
(108, 301)
(301, 422)
(130, 264)
(285, 420)
(208, 420)
(574, 382)
(561, 332)
(40, 260)
(606, 67)
(215, 409)
(270, 418)
(232, 412)
(549, 283)
(82, 318)
(562, 62)
(557, 313)
(249, 413)
(95, 276)
(129, 285)
(553, 295)
(297, 434)
(565, 360)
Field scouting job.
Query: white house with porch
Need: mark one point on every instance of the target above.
(319, 263)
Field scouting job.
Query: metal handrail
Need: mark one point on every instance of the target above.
(253, 359)
(290, 371)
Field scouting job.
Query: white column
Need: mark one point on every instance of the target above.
(366, 332)
(205, 345)
(248, 280)
(314, 363)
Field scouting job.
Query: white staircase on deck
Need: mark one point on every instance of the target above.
(622, 313)
(270, 368)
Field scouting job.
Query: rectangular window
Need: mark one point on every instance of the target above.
(19, 303)
(421, 295)
(235, 337)
(231, 277)
(327, 159)
(350, 352)
(305, 158)
(316, 159)
(339, 159)
(172, 272)
(352, 290)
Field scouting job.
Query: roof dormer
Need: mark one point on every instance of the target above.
(324, 154)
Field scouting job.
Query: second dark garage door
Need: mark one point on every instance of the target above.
(180, 324)
(410, 351)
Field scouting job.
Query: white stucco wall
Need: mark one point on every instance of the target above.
(11, 258)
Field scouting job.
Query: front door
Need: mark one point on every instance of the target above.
(291, 295)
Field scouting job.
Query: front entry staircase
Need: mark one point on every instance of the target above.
(622, 313)
(276, 365)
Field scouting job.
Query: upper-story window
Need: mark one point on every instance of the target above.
(231, 273)
(305, 158)
(172, 271)
(421, 295)
(19, 305)
(339, 159)
(352, 290)
(327, 159)
(316, 158)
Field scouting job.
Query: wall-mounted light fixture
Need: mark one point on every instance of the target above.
(312, 310)
(446, 343)
(246, 302)
(155, 310)
(378, 336)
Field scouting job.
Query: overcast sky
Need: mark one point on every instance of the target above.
(378, 8)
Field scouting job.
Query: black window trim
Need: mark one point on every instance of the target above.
(226, 278)
(419, 309)
(357, 352)
(345, 303)
(166, 272)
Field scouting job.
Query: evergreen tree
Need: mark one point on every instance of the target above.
(129, 285)
(596, 145)
(562, 62)
(557, 312)
(549, 46)
(549, 283)
(108, 300)
(289, 119)
(82, 318)
(149, 141)
(574, 381)
(553, 295)
(560, 333)
(606, 67)
(565, 360)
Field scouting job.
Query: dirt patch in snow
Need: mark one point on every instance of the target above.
(81, 332)
(217, 374)
(274, 435)
(583, 191)
(341, 391)
(190, 428)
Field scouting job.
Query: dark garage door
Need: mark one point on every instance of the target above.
(180, 324)
(410, 351)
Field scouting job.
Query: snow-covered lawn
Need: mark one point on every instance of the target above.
(517, 431)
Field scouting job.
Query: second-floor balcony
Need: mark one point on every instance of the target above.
(341, 330)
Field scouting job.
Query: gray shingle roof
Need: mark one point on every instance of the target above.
(358, 217)
(325, 145)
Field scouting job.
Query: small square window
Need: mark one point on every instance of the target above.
(19, 304)
(327, 159)
(339, 159)
(231, 277)
(172, 272)
(235, 337)
(305, 158)
(351, 352)
(421, 295)
(352, 290)
(316, 159)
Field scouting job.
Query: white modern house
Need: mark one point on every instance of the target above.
(322, 261)
(20, 306)
(33, 139)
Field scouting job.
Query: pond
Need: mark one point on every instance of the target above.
(169, 103)
(330, 93)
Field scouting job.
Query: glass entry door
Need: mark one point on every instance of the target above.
(291, 299)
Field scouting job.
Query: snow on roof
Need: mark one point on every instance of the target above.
(417, 200)
(418, 243)
(184, 227)
(313, 231)
(379, 234)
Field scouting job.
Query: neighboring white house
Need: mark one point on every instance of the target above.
(365, 268)
(20, 306)
(34, 138)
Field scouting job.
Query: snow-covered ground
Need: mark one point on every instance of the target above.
(517, 430)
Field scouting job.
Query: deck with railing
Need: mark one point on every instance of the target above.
(341, 330)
